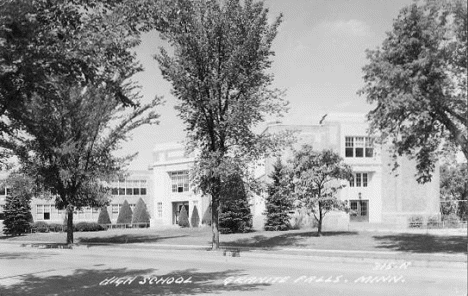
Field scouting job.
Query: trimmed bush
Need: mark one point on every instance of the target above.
(125, 215)
(207, 217)
(415, 221)
(40, 226)
(433, 222)
(104, 216)
(55, 227)
(183, 218)
(451, 220)
(195, 219)
(88, 226)
(141, 214)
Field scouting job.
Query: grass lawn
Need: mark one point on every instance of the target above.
(351, 240)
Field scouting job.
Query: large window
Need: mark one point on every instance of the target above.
(180, 181)
(359, 147)
(129, 187)
(359, 180)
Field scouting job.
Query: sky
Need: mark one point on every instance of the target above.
(319, 55)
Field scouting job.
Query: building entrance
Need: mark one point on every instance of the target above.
(359, 211)
(176, 208)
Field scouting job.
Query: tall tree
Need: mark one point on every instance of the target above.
(65, 78)
(18, 204)
(70, 139)
(418, 82)
(218, 70)
(279, 201)
(318, 176)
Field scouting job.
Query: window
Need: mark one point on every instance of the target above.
(115, 209)
(359, 147)
(369, 147)
(129, 191)
(2, 191)
(115, 191)
(46, 212)
(359, 180)
(364, 180)
(142, 191)
(180, 181)
(159, 209)
(136, 191)
(349, 146)
(40, 212)
(121, 191)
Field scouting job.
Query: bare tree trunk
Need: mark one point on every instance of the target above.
(215, 222)
(319, 227)
(70, 224)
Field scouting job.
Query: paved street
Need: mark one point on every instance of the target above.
(130, 271)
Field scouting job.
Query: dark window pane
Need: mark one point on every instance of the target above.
(46, 216)
(369, 152)
(129, 191)
(143, 191)
(364, 209)
(2, 191)
(358, 180)
(115, 191)
(364, 180)
(349, 152)
(359, 152)
(121, 191)
(136, 191)
(180, 189)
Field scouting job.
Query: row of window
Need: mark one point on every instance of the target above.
(50, 212)
(359, 147)
(128, 191)
(129, 187)
(180, 181)
(359, 180)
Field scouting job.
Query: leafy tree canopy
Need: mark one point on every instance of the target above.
(417, 82)
(218, 70)
(317, 178)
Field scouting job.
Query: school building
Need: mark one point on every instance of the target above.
(377, 193)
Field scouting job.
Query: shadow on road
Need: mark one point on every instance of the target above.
(126, 239)
(23, 256)
(423, 243)
(93, 282)
(284, 240)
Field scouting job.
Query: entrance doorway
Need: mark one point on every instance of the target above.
(176, 208)
(359, 211)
